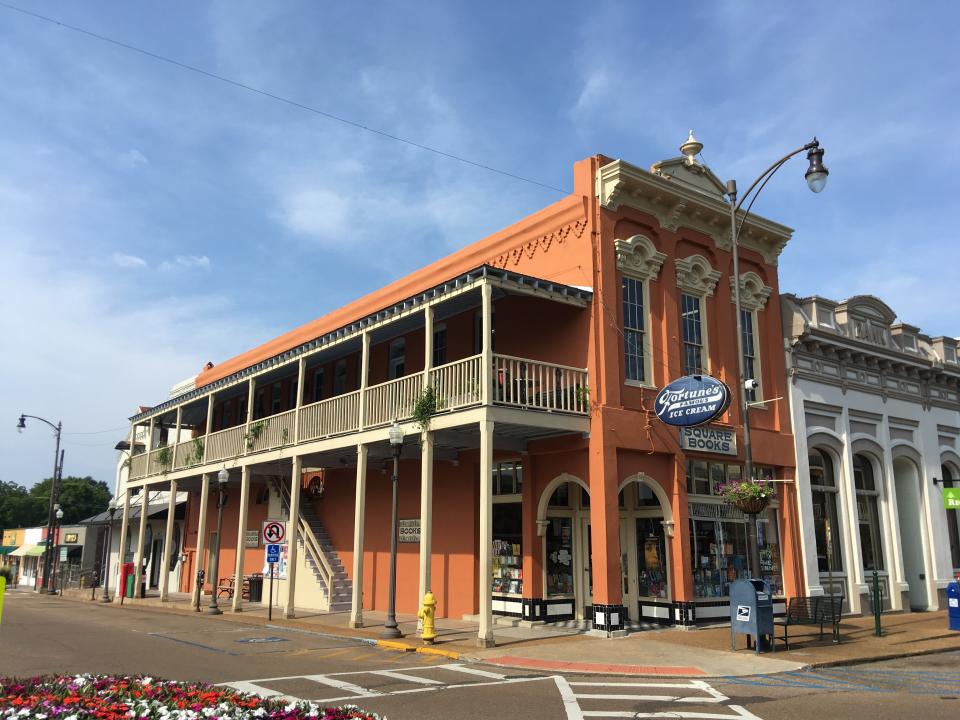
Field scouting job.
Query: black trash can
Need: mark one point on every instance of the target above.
(255, 584)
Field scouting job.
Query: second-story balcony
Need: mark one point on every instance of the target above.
(526, 384)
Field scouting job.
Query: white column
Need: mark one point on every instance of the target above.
(894, 562)
(807, 530)
(426, 513)
(486, 359)
(149, 440)
(206, 437)
(848, 530)
(122, 547)
(201, 538)
(427, 344)
(293, 533)
(141, 537)
(301, 374)
(176, 438)
(364, 375)
(356, 604)
(485, 632)
(167, 538)
(241, 532)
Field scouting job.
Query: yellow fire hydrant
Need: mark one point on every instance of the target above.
(426, 614)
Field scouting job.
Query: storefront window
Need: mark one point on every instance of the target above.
(559, 545)
(868, 516)
(706, 478)
(561, 496)
(823, 487)
(718, 535)
(652, 578)
(507, 555)
(508, 478)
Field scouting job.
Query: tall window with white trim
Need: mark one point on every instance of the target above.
(868, 514)
(823, 488)
(634, 327)
(751, 364)
(691, 321)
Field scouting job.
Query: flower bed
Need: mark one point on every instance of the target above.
(101, 697)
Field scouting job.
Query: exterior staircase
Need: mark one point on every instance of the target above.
(320, 556)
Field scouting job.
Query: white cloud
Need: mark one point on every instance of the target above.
(128, 261)
(193, 261)
(133, 159)
(320, 214)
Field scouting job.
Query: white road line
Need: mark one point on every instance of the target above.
(404, 677)
(457, 667)
(742, 714)
(254, 689)
(341, 685)
(570, 704)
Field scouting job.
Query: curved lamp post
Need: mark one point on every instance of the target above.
(222, 478)
(111, 511)
(816, 177)
(390, 629)
(54, 492)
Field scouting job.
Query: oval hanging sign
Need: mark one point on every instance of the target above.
(692, 400)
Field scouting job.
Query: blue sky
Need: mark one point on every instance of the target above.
(152, 218)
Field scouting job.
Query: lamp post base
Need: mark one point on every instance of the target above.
(107, 599)
(214, 610)
(391, 631)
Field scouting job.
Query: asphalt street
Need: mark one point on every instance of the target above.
(45, 635)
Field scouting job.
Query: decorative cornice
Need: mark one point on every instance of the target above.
(696, 275)
(675, 205)
(639, 256)
(542, 243)
(753, 293)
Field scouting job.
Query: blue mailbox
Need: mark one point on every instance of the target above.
(953, 604)
(751, 612)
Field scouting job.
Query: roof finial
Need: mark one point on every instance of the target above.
(691, 148)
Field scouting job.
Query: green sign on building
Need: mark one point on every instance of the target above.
(951, 498)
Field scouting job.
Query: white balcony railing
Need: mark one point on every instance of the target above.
(226, 443)
(333, 416)
(392, 400)
(539, 385)
(457, 384)
(517, 382)
(272, 432)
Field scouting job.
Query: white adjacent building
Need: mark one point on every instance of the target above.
(875, 406)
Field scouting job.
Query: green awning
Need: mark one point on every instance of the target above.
(36, 551)
(7, 549)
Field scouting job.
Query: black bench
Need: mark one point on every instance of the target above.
(823, 611)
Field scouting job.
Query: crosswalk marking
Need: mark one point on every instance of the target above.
(405, 677)
(254, 689)
(340, 684)
(456, 667)
(570, 693)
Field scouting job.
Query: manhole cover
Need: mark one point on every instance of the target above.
(262, 640)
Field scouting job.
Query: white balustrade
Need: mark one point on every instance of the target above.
(334, 416)
(539, 385)
(138, 466)
(457, 384)
(270, 432)
(392, 400)
(188, 453)
(226, 444)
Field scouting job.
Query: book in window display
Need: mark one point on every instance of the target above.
(507, 568)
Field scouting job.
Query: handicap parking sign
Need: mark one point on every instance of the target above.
(273, 553)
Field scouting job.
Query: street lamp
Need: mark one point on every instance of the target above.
(816, 177)
(222, 478)
(390, 629)
(59, 522)
(54, 488)
(111, 511)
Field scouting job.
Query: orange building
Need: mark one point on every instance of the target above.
(535, 481)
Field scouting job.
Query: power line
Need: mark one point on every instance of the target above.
(279, 98)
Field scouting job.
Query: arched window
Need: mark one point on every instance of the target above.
(823, 487)
(953, 517)
(868, 515)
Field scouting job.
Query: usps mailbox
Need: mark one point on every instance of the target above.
(751, 611)
(953, 604)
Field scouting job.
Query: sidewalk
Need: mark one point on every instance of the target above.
(666, 652)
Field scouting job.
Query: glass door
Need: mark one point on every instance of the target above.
(585, 594)
(651, 547)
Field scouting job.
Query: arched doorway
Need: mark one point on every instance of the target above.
(646, 528)
(563, 519)
(910, 512)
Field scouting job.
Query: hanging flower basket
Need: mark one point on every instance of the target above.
(748, 496)
(752, 506)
